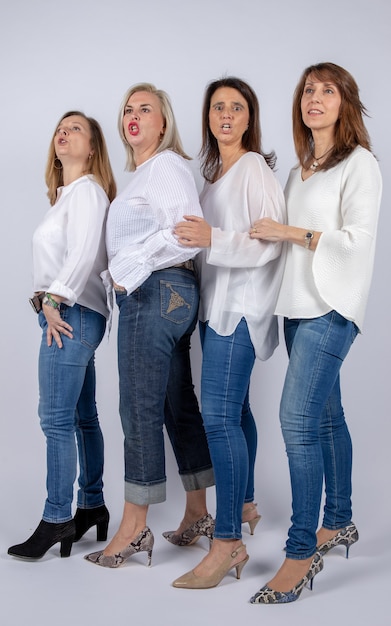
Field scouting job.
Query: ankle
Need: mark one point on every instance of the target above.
(249, 511)
(324, 534)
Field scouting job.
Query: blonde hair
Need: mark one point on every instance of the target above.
(170, 140)
(98, 165)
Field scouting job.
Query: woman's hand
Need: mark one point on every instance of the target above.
(194, 233)
(268, 230)
(56, 325)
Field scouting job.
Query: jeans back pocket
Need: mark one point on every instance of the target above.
(178, 301)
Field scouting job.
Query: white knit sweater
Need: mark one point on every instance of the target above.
(343, 204)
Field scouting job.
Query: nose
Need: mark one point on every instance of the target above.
(226, 113)
(63, 131)
(316, 96)
(134, 116)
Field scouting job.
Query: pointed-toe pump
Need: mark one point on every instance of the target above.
(44, 537)
(203, 527)
(251, 522)
(87, 518)
(345, 537)
(142, 543)
(266, 595)
(192, 581)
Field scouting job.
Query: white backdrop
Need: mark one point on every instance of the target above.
(84, 54)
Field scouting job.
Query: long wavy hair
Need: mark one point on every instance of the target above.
(251, 140)
(99, 164)
(350, 130)
(171, 139)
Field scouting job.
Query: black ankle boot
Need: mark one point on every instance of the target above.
(86, 518)
(43, 538)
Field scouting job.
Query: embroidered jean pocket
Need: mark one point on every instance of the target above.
(177, 301)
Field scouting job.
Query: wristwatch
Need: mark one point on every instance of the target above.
(50, 301)
(308, 237)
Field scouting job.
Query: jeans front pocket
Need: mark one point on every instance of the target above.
(177, 301)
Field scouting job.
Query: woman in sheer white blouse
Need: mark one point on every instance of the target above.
(239, 287)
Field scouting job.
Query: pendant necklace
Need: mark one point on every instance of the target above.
(315, 164)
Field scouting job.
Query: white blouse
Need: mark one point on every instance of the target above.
(343, 204)
(69, 250)
(240, 276)
(140, 238)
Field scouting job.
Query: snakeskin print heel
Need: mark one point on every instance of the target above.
(346, 537)
(203, 527)
(142, 543)
(266, 595)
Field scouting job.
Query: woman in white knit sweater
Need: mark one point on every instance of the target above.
(333, 198)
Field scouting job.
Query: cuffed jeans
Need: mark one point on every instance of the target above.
(67, 408)
(155, 325)
(313, 424)
(227, 363)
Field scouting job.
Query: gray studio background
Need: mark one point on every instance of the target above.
(84, 54)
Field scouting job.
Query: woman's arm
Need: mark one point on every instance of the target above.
(267, 229)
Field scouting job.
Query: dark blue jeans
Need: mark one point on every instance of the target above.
(313, 424)
(155, 325)
(67, 408)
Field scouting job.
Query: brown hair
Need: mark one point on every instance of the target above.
(350, 130)
(171, 139)
(99, 164)
(251, 140)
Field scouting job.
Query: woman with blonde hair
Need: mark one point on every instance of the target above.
(157, 295)
(69, 254)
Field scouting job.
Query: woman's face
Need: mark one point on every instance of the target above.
(228, 116)
(72, 140)
(143, 123)
(320, 104)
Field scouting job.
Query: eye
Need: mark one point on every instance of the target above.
(75, 128)
(145, 110)
(237, 108)
(308, 90)
(329, 90)
(127, 110)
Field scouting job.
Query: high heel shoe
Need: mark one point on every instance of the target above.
(142, 543)
(44, 537)
(202, 527)
(192, 581)
(346, 537)
(86, 518)
(254, 521)
(266, 595)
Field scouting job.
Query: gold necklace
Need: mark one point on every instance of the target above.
(315, 164)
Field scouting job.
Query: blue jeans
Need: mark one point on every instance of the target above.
(230, 428)
(313, 424)
(154, 329)
(67, 408)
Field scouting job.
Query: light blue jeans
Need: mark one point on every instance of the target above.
(67, 411)
(313, 424)
(227, 363)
